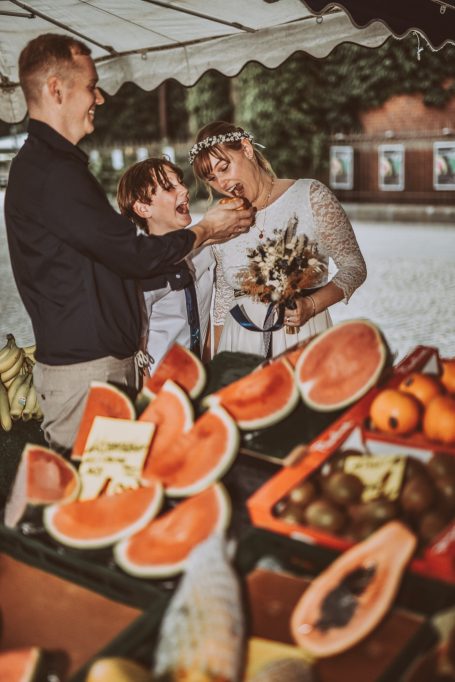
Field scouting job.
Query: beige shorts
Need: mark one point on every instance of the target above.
(62, 390)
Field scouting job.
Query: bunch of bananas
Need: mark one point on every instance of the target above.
(18, 398)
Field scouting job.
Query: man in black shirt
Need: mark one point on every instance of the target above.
(74, 258)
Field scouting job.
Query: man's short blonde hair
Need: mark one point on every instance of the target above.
(48, 54)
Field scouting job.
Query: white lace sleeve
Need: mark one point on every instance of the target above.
(336, 239)
(224, 294)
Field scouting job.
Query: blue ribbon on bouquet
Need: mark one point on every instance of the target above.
(240, 316)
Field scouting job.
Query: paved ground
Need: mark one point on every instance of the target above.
(409, 292)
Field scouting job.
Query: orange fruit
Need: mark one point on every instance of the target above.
(439, 420)
(393, 411)
(422, 386)
(448, 375)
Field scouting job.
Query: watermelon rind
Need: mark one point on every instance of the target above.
(273, 417)
(19, 500)
(130, 412)
(199, 384)
(104, 541)
(171, 569)
(170, 386)
(305, 386)
(20, 665)
(223, 464)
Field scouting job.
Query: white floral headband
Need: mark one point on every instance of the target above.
(213, 140)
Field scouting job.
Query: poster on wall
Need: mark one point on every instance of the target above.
(391, 167)
(444, 165)
(341, 167)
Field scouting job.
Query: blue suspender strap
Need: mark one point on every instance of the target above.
(192, 312)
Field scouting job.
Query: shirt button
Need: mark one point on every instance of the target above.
(177, 276)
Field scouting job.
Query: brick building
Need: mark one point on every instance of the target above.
(405, 154)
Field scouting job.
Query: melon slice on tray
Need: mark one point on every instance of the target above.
(103, 400)
(261, 398)
(163, 546)
(92, 524)
(20, 665)
(172, 413)
(43, 477)
(341, 364)
(183, 367)
(197, 458)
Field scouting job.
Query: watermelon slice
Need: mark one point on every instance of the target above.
(43, 477)
(183, 367)
(197, 458)
(103, 400)
(104, 520)
(261, 398)
(19, 665)
(341, 364)
(163, 546)
(172, 413)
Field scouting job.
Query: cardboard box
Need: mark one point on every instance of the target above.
(437, 560)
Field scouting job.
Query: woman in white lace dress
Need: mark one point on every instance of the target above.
(226, 160)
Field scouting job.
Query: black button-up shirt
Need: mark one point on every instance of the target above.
(75, 259)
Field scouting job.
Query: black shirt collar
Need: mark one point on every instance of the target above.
(54, 139)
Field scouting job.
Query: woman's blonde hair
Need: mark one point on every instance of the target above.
(202, 166)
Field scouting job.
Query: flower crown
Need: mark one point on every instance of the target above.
(213, 140)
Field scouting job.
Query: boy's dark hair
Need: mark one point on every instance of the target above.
(139, 183)
(48, 54)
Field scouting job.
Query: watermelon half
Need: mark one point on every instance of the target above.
(43, 477)
(183, 367)
(341, 364)
(197, 458)
(163, 546)
(103, 400)
(104, 520)
(172, 413)
(261, 398)
(19, 665)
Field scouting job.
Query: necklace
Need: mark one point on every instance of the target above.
(264, 208)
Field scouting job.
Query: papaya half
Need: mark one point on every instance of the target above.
(347, 600)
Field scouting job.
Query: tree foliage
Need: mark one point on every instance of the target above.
(294, 109)
(209, 100)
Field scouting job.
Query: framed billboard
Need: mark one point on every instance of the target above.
(444, 165)
(341, 167)
(391, 167)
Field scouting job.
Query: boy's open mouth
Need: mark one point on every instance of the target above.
(183, 208)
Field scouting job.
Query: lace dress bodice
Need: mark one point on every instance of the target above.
(319, 215)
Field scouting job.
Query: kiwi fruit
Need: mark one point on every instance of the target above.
(303, 494)
(324, 515)
(342, 488)
(417, 496)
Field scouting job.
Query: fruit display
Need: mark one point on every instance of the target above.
(43, 477)
(347, 600)
(341, 364)
(103, 521)
(261, 398)
(197, 458)
(20, 665)
(18, 397)
(183, 367)
(162, 548)
(333, 500)
(420, 404)
(103, 400)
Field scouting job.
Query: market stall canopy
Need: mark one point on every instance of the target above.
(434, 19)
(148, 41)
